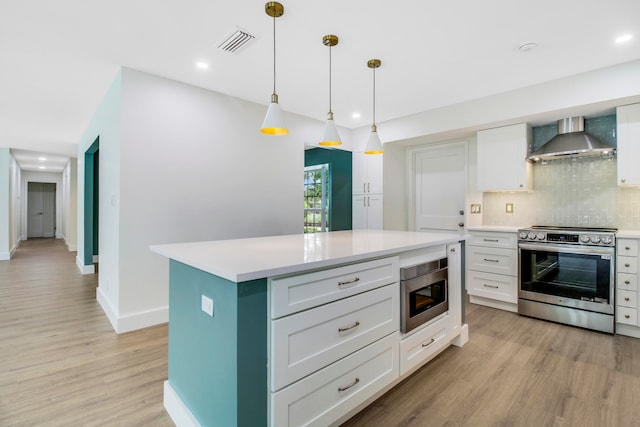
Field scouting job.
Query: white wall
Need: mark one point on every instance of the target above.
(15, 195)
(192, 165)
(5, 174)
(70, 204)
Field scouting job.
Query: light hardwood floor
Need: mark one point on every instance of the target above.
(61, 364)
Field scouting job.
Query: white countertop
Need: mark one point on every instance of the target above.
(632, 234)
(503, 228)
(241, 260)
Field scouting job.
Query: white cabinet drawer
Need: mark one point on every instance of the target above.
(296, 293)
(627, 315)
(627, 299)
(493, 239)
(627, 247)
(493, 260)
(627, 281)
(323, 397)
(627, 264)
(421, 346)
(493, 286)
(306, 342)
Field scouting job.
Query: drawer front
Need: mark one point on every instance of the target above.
(493, 239)
(627, 247)
(627, 282)
(306, 342)
(627, 264)
(627, 299)
(296, 293)
(626, 315)
(323, 397)
(494, 286)
(493, 260)
(423, 345)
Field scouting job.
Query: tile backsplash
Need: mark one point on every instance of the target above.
(578, 192)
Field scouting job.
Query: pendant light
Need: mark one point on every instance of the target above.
(330, 137)
(273, 123)
(374, 146)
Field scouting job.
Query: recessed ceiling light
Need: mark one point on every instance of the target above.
(42, 159)
(525, 47)
(202, 65)
(356, 115)
(625, 38)
(41, 167)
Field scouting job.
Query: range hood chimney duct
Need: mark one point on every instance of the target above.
(571, 141)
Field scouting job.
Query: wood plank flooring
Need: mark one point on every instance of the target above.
(61, 364)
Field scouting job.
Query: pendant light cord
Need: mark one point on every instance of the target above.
(330, 112)
(374, 96)
(274, 53)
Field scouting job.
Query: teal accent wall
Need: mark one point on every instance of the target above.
(603, 127)
(218, 365)
(91, 195)
(341, 179)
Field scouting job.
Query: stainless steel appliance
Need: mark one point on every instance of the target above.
(567, 275)
(423, 293)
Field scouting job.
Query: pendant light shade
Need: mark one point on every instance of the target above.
(374, 146)
(273, 123)
(330, 137)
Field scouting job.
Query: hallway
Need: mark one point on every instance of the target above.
(61, 363)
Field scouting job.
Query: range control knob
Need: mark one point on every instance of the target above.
(584, 238)
(523, 235)
(541, 236)
(595, 239)
(531, 236)
(607, 240)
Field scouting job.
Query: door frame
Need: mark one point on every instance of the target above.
(410, 177)
(42, 177)
(54, 213)
(91, 205)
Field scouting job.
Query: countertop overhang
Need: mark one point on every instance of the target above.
(241, 260)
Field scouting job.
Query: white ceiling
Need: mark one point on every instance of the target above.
(57, 59)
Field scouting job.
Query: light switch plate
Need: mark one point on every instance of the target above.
(476, 208)
(509, 208)
(207, 305)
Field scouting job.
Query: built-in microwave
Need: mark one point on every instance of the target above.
(423, 293)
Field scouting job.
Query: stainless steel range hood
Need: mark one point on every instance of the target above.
(571, 140)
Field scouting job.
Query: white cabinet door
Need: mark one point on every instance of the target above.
(628, 121)
(367, 173)
(502, 154)
(367, 212)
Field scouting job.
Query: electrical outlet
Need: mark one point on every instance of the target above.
(509, 208)
(207, 305)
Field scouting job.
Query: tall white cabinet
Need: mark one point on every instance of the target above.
(367, 202)
(628, 123)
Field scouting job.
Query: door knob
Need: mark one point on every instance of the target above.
(461, 224)
(461, 212)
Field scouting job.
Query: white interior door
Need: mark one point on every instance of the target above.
(41, 201)
(440, 183)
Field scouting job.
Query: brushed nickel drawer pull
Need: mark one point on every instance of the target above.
(490, 286)
(626, 316)
(491, 260)
(347, 387)
(491, 240)
(429, 343)
(356, 324)
(626, 264)
(348, 282)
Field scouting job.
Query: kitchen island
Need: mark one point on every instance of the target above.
(299, 329)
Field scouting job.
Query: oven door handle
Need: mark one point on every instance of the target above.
(571, 249)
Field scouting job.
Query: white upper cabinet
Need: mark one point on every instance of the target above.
(367, 173)
(502, 154)
(628, 118)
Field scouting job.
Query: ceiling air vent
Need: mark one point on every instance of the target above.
(235, 41)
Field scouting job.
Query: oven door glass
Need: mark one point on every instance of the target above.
(421, 300)
(579, 276)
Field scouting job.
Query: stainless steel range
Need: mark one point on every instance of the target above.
(567, 275)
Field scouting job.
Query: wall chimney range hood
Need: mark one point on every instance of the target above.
(571, 141)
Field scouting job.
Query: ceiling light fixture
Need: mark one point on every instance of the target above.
(374, 146)
(42, 159)
(624, 39)
(202, 65)
(356, 115)
(273, 123)
(330, 137)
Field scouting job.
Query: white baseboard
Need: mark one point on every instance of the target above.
(628, 330)
(463, 338)
(131, 322)
(4, 256)
(501, 305)
(177, 410)
(84, 269)
(70, 247)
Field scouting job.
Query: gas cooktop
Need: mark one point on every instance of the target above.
(586, 236)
